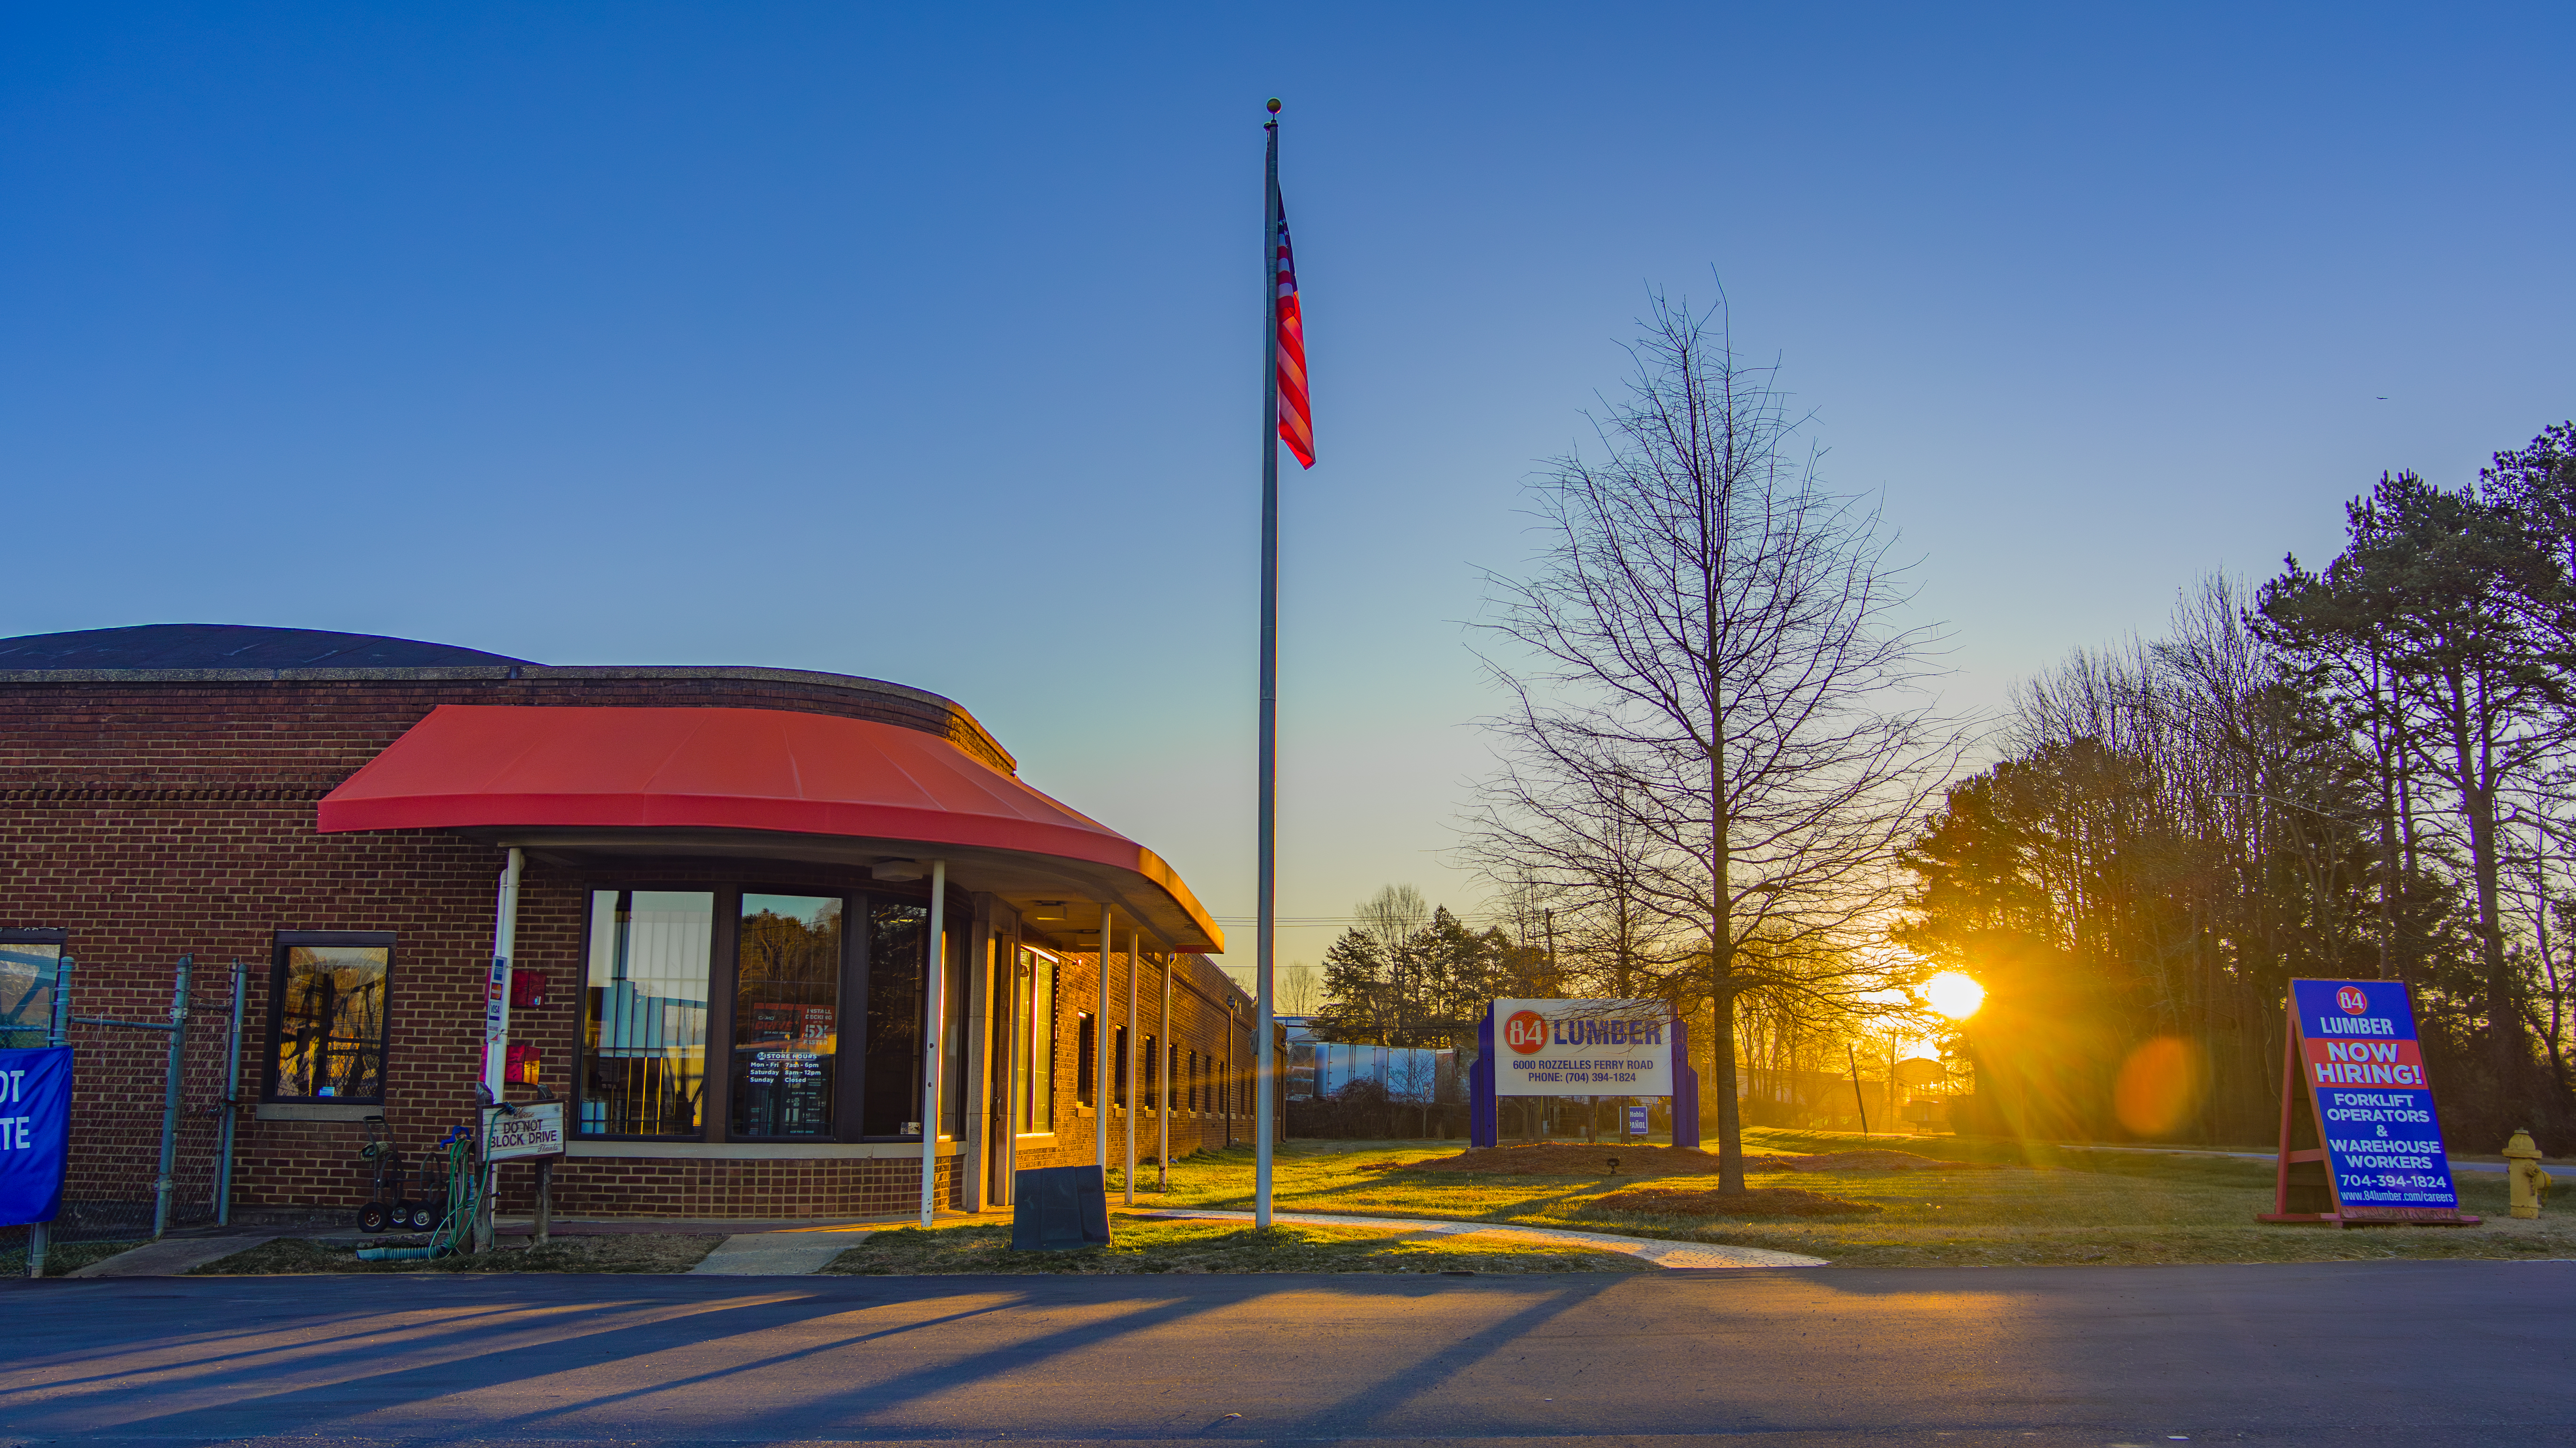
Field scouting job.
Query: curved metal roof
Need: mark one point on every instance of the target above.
(231, 646)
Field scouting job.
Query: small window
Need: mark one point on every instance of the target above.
(1086, 1057)
(1118, 1068)
(28, 962)
(326, 1016)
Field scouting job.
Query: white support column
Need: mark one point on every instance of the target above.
(1135, 1048)
(933, 1034)
(1165, 1074)
(1100, 1053)
(496, 990)
(496, 1034)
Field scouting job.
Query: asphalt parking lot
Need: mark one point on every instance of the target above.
(2370, 1353)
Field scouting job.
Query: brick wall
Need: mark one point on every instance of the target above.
(154, 818)
(179, 818)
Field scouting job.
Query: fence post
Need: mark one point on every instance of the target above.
(40, 1235)
(232, 1104)
(170, 1098)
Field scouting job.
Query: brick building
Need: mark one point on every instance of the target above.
(721, 908)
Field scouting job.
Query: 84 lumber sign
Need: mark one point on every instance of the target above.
(2371, 1150)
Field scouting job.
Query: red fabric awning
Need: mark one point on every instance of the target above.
(499, 767)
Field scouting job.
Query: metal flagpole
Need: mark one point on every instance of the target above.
(1266, 1069)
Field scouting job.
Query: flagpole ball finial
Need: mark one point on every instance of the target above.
(1274, 105)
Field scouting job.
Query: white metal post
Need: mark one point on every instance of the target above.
(934, 1019)
(496, 1033)
(1166, 1075)
(1135, 1048)
(1100, 1054)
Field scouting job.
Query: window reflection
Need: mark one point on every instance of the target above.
(1033, 1043)
(27, 991)
(787, 1002)
(644, 1034)
(330, 1041)
(896, 960)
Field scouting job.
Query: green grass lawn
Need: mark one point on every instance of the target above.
(613, 1252)
(61, 1257)
(2050, 1205)
(1140, 1246)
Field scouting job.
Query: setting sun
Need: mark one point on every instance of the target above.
(1954, 995)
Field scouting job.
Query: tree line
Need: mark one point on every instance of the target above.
(2357, 771)
(1723, 781)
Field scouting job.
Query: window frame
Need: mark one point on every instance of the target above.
(280, 945)
(1086, 1061)
(712, 1097)
(1032, 1092)
(60, 938)
(851, 968)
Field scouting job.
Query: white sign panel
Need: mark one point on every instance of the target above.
(533, 1130)
(1582, 1048)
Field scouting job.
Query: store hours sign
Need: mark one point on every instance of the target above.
(2356, 1046)
(1582, 1048)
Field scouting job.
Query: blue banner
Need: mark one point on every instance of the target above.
(2375, 1115)
(35, 1133)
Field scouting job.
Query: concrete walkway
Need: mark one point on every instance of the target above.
(1661, 1253)
(798, 1253)
(171, 1256)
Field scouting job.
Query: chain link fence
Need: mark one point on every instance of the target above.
(151, 1120)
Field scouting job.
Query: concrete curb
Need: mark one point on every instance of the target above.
(170, 1257)
(1675, 1255)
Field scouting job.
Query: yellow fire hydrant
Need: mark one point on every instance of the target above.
(2530, 1183)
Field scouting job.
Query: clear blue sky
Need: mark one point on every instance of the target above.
(922, 343)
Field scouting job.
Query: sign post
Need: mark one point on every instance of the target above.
(2361, 1140)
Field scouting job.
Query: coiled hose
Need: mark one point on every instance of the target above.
(464, 1191)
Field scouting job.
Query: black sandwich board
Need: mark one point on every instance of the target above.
(1059, 1209)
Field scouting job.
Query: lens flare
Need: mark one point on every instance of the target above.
(1954, 995)
(2159, 1087)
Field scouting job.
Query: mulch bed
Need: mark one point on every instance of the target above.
(1876, 1160)
(1710, 1202)
(1577, 1159)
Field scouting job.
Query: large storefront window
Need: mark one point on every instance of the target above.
(786, 1015)
(896, 959)
(811, 1003)
(326, 1019)
(644, 1037)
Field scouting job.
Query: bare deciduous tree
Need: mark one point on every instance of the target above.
(1298, 987)
(1714, 702)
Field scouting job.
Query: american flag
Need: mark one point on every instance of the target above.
(1296, 423)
